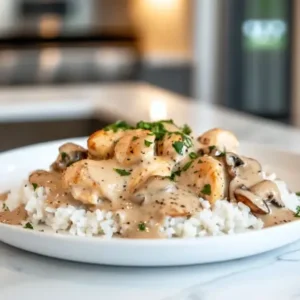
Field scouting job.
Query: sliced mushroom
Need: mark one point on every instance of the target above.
(245, 174)
(68, 154)
(233, 161)
(268, 191)
(254, 202)
(220, 138)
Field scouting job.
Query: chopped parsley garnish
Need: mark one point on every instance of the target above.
(297, 214)
(211, 148)
(144, 125)
(34, 185)
(187, 140)
(175, 173)
(186, 129)
(122, 172)
(134, 138)
(28, 226)
(200, 161)
(4, 207)
(298, 194)
(170, 121)
(119, 125)
(157, 128)
(64, 156)
(193, 155)
(221, 154)
(178, 146)
(147, 143)
(187, 165)
(206, 189)
(142, 226)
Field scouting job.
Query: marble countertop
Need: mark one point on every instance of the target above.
(134, 102)
(273, 275)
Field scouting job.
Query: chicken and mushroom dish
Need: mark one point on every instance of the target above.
(152, 180)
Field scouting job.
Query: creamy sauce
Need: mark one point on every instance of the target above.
(14, 217)
(57, 195)
(277, 216)
(159, 198)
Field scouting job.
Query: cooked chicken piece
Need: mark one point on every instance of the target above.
(223, 140)
(68, 154)
(174, 146)
(207, 177)
(157, 167)
(3, 196)
(90, 180)
(101, 143)
(135, 146)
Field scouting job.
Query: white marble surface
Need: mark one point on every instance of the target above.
(134, 102)
(274, 275)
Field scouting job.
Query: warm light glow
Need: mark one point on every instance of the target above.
(165, 27)
(49, 58)
(50, 26)
(158, 110)
(163, 3)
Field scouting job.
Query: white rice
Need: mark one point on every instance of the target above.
(223, 218)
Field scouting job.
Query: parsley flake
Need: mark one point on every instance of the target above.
(134, 138)
(186, 129)
(122, 172)
(211, 148)
(142, 226)
(178, 146)
(28, 226)
(297, 214)
(175, 173)
(187, 165)
(119, 125)
(222, 154)
(206, 189)
(4, 207)
(35, 186)
(193, 155)
(147, 143)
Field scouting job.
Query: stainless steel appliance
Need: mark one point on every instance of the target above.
(258, 57)
(244, 55)
(57, 41)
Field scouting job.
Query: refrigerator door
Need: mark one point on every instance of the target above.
(257, 61)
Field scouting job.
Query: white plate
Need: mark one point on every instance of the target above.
(16, 164)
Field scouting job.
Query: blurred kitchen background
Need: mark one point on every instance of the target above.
(242, 54)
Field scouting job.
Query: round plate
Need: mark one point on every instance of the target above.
(16, 164)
